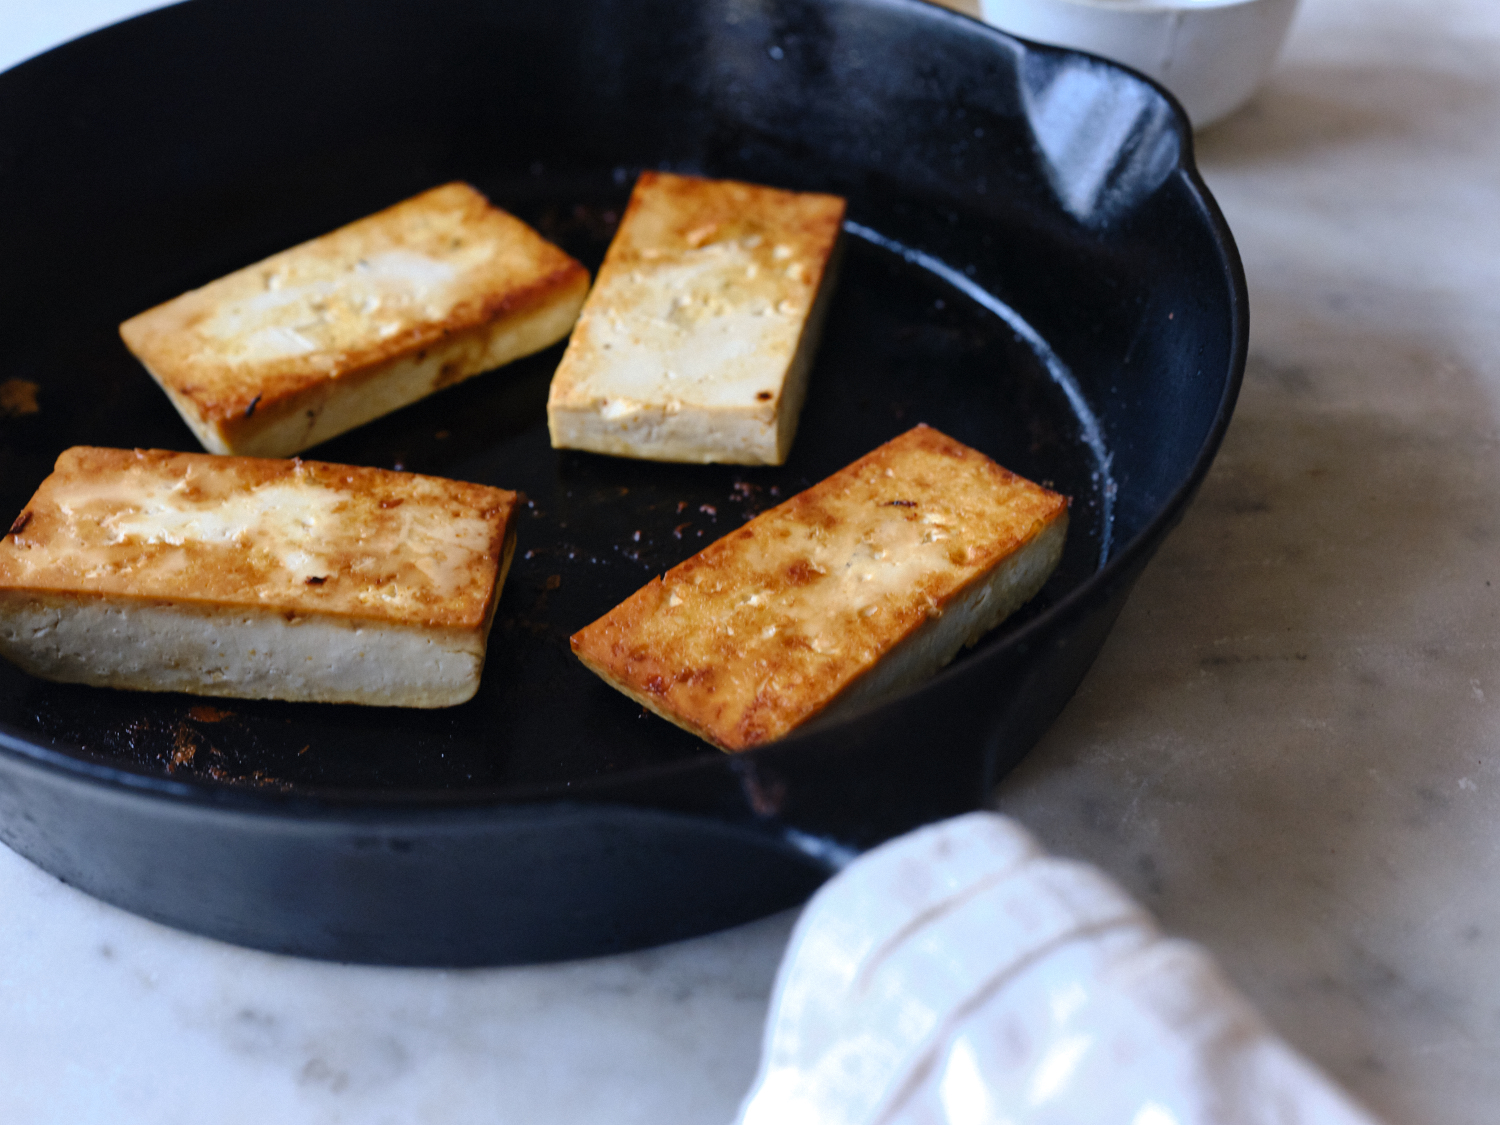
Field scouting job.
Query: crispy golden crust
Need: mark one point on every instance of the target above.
(764, 629)
(270, 339)
(694, 342)
(670, 214)
(302, 538)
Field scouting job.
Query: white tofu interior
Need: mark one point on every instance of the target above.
(158, 571)
(237, 653)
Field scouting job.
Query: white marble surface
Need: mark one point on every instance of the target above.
(106, 1019)
(1288, 748)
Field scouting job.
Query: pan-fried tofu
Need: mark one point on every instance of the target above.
(696, 341)
(257, 579)
(862, 586)
(316, 340)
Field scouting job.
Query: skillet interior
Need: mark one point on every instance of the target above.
(899, 349)
(164, 152)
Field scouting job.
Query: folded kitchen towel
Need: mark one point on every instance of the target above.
(960, 976)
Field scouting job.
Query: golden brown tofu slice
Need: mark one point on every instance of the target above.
(252, 578)
(328, 335)
(860, 587)
(696, 342)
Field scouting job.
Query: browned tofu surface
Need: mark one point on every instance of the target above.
(255, 579)
(907, 554)
(322, 337)
(296, 537)
(696, 341)
(670, 214)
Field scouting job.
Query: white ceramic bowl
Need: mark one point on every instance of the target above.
(1212, 54)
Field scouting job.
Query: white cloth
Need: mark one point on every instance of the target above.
(959, 976)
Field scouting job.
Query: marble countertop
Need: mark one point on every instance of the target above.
(1289, 748)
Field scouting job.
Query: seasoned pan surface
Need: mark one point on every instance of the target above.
(900, 348)
(1066, 302)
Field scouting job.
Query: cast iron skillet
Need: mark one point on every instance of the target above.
(1033, 267)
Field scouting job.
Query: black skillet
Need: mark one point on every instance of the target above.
(1033, 266)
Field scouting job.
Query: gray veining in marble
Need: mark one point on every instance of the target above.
(106, 1018)
(1289, 749)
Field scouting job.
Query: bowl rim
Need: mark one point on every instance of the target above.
(1134, 7)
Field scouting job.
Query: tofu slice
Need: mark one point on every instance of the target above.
(256, 579)
(696, 341)
(316, 340)
(862, 586)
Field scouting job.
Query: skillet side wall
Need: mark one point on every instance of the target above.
(533, 882)
(448, 888)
